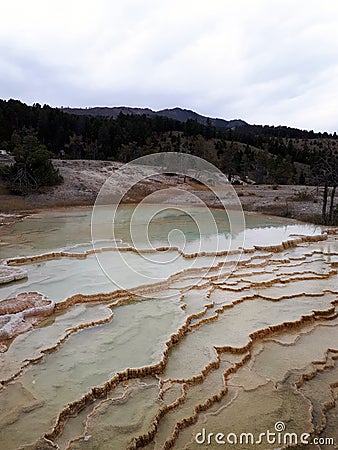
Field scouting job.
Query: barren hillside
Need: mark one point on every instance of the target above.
(83, 180)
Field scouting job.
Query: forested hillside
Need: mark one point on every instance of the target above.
(263, 154)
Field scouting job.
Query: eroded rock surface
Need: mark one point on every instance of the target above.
(9, 273)
(19, 314)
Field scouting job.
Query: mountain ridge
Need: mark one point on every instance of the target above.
(177, 113)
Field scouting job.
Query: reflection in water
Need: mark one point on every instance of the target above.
(226, 350)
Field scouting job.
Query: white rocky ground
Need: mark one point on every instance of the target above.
(83, 180)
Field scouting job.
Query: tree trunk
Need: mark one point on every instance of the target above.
(333, 192)
(325, 195)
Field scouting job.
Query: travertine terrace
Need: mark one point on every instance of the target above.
(223, 349)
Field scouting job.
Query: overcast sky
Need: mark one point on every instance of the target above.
(270, 62)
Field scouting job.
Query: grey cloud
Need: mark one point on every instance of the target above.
(222, 59)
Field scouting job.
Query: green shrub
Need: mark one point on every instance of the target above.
(32, 168)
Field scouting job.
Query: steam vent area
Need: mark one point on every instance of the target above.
(178, 340)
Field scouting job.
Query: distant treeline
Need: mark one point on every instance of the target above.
(247, 150)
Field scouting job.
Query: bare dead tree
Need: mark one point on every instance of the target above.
(333, 190)
(326, 172)
(23, 181)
